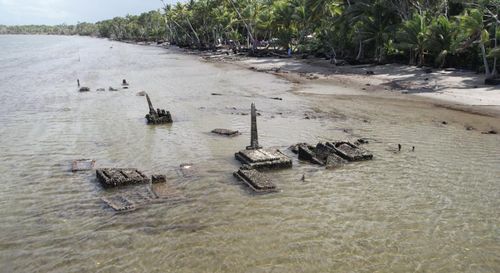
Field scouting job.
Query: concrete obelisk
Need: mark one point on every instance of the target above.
(254, 138)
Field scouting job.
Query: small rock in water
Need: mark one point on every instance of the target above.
(444, 122)
(112, 89)
(158, 178)
(216, 94)
(277, 98)
(101, 89)
(84, 89)
(225, 132)
(490, 132)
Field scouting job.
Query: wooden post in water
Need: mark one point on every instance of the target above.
(254, 137)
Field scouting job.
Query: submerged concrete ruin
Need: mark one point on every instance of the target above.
(331, 154)
(158, 116)
(259, 158)
(256, 180)
(255, 158)
(82, 165)
(113, 177)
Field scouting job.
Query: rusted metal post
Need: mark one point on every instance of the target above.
(254, 138)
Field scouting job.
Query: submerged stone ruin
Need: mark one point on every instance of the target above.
(82, 165)
(256, 180)
(255, 158)
(259, 158)
(158, 116)
(113, 177)
(331, 154)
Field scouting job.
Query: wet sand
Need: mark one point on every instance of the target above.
(451, 88)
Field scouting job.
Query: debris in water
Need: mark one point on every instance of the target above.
(158, 116)
(226, 132)
(124, 82)
(490, 132)
(82, 165)
(158, 178)
(112, 89)
(101, 89)
(84, 89)
(119, 203)
(141, 94)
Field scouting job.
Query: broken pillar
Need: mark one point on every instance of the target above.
(254, 137)
(157, 116)
(256, 157)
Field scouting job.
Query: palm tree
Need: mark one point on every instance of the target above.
(414, 36)
(473, 26)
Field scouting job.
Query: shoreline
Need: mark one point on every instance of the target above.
(454, 89)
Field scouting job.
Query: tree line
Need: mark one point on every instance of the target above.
(440, 33)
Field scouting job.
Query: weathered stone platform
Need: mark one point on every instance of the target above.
(113, 177)
(349, 151)
(256, 180)
(264, 159)
(331, 154)
(82, 165)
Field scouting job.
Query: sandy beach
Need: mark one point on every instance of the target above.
(450, 88)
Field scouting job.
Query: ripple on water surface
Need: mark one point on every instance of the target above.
(435, 209)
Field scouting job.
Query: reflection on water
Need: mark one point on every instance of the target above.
(435, 209)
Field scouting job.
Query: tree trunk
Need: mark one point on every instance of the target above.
(360, 50)
(485, 61)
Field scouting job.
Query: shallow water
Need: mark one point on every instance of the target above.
(433, 210)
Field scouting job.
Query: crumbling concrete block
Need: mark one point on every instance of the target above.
(113, 177)
(256, 180)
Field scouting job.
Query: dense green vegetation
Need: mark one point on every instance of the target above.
(87, 29)
(438, 33)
